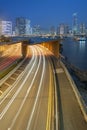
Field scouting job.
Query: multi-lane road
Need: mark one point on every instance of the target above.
(10, 56)
(29, 97)
(28, 103)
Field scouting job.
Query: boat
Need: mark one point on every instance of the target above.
(81, 39)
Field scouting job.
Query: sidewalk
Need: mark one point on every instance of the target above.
(70, 114)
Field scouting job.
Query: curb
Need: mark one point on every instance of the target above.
(81, 103)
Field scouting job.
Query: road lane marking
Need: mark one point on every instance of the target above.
(16, 74)
(49, 105)
(7, 84)
(40, 85)
(19, 70)
(17, 80)
(19, 89)
(56, 116)
(9, 129)
(1, 91)
(12, 78)
(20, 108)
(59, 70)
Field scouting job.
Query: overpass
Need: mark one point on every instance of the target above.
(7, 51)
(53, 46)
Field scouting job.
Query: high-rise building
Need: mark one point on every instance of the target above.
(23, 26)
(52, 30)
(5, 28)
(75, 24)
(36, 29)
(82, 29)
(63, 29)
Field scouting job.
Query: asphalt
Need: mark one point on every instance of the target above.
(70, 116)
(69, 111)
(28, 105)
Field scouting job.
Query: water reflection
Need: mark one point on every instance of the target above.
(82, 44)
(76, 52)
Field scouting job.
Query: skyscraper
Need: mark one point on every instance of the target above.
(82, 29)
(22, 26)
(36, 29)
(63, 29)
(75, 24)
(5, 28)
(52, 30)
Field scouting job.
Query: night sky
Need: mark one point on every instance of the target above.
(44, 12)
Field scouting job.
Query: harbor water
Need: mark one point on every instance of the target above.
(76, 53)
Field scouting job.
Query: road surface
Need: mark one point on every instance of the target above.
(29, 103)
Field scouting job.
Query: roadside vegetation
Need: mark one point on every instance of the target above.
(5, 38)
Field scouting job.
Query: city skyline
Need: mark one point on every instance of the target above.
(46, 13)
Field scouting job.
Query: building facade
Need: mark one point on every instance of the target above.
(63, 29)
(82, 29)
(37, 29)
(5, 28)
(75, 24)
(23, 26)
(52, 30)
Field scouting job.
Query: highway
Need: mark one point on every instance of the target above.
(29, 101)
(11, 55)
(39, 96)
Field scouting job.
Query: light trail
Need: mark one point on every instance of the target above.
(49, 112)
(27, 97)
(14, 85)
(10, 59)
(14, 120)
(19, 89)
(40, 85)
